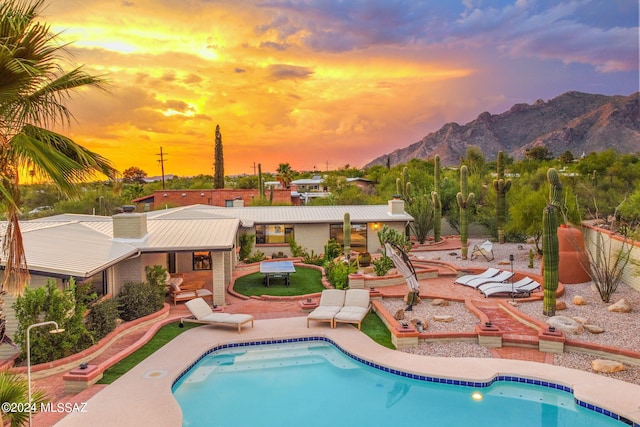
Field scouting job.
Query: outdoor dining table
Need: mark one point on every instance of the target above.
(275, 269)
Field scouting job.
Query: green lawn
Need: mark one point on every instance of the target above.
(304, 281)
(376, 330)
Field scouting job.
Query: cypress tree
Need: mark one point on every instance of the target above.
(218, 177)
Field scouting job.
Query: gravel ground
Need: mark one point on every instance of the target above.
(621, 329)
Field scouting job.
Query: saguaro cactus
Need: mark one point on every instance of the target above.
(260, 181)
(501, 186)
(435, 199)
(346, 229)
(403, 186)
(465, 200)
(550, 247)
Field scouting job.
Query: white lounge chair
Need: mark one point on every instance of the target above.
(487, 286)
(500, 277)
(356, 307)
(202, 313)
(489, 272)
(485, 249)
(521, 290)
(331, 301)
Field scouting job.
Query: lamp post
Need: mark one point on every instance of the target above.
(53, 331)
(511, 258)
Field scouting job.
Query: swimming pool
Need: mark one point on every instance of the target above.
(312, 382)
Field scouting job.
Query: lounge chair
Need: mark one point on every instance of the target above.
(485, 249)
(500, 277)
(523, 290)
(331, 301)
(489, 272)
(202, 313)
(487, 286)
(190, 290)
(356, 307)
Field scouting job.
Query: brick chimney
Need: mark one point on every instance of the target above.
(130, 226)
(396, 206)
(238, 202)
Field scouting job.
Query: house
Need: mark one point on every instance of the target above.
(111, 251)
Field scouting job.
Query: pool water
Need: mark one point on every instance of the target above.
(313, 383)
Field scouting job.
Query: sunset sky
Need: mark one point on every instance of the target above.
(324, 83)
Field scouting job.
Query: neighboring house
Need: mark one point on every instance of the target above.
(309, 188)
(111, 251)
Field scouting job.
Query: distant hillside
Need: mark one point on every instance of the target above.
(574, 121)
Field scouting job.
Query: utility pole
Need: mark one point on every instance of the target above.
(161, 161)
(254, 168)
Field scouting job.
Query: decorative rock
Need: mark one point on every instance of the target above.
(580, 319)
(608, 366)
(504, 262)
(579, 300)
(399, 314)
(419, 324)
(440, 302)
(368, 270)
(621, 306)
(561, 305)
(594, 329)
(565, 324)
(443, 318)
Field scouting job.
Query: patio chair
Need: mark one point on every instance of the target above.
(189, 291)
(356, 307)
(489, 272)
(500, 277)
(202, 313)
(485, 249)
(517, 290)
(331, 301)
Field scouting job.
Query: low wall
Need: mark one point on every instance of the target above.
(631, 273)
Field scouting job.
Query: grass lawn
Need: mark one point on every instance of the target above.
(304, 281)
(376, 330)
(163, 336)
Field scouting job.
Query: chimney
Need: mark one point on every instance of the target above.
(396, 206)
(238, 202)
(130, 226)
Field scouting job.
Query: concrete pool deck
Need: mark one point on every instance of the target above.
(143, 395)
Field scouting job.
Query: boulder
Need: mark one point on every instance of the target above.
(579, 300)
(561, 305)
(419, 324)
(440, 302)
(594, 329)
(443, 318)
(399, 314)
(621, 306)
(580, 319)
(608, 366)
(504, 262)
(565, 324)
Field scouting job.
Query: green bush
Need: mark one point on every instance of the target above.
(277, 255)
(156, 275)
(312, 258)
(256, 257)
(102, 318)
(246, 245)
(139, 299)
(332, 250)
(338, 273)
(48, 303)
(382, 265)
(296, 249)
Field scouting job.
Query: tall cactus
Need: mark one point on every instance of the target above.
(403, 186)
(465, 200)
(260, 181)
(550, 247)
(501, 186)
(435, 198)
(346, 228)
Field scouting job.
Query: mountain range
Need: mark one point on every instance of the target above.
(574, 121)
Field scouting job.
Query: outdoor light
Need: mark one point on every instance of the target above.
(476, 395)
(53, 331)
(511, 258)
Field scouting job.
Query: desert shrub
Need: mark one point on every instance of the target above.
(313, 258)
(332, 250)
(156, 275)
(49, 303)
(102, 318)
(382, 265)
(277, 255)
(296, 249)
(246, 245)
(256, 257)
(338, 273)
(139, 299)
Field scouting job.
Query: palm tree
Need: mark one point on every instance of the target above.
(15, 389)
(33, 91)
(285, 174)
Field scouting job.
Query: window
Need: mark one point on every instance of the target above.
(202, 260)
(358, 236)
(228, 203)
(268, 234)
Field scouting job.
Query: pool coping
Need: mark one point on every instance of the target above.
(149, 400)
